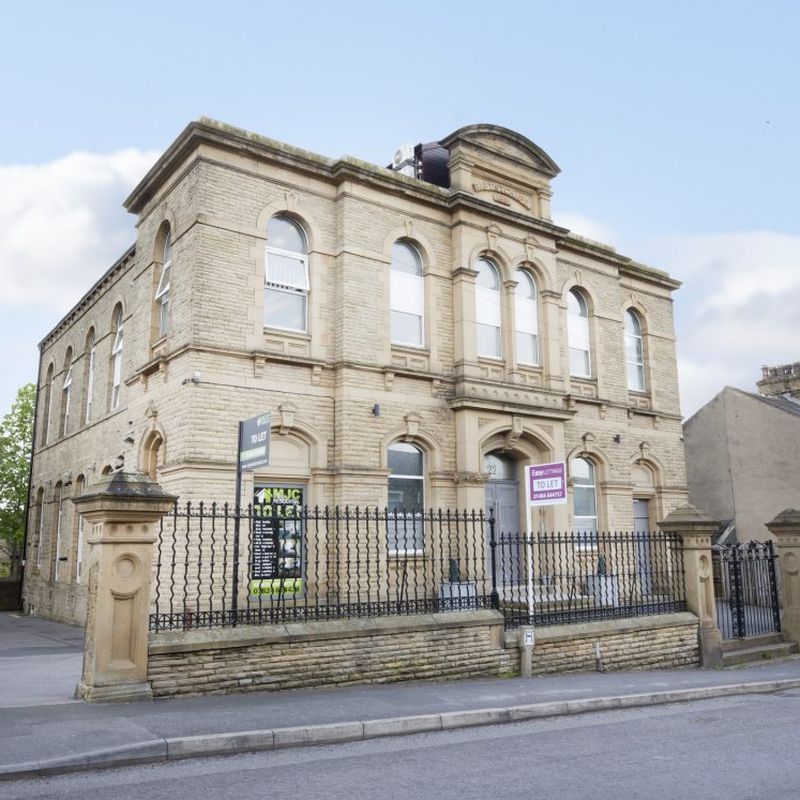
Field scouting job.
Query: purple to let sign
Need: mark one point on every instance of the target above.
(547, 484)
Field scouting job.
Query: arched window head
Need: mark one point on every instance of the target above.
(116, 357)
(88, 378)
(580, 361)
(527, 313)
(152, 455)
(634, 351)
(48, 403)
(584, 500)
(286, 281)
(488, 313)
(407, 293)
(406, 499)
(162, 290)
(66, 393)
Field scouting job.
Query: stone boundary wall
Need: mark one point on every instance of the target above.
(333, 653)
(656, 642)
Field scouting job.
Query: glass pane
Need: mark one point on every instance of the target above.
(635, 377)
(527, 321)
(405, 494)
(286, 235)
(406, 259)
(407, 293)
(633, 349)
(168, 248)
(578, 332)
(163, 318)
(285, 309)
(576, 305)
(527, 349)
(632, 325)
(487, 274)
(526, 290)
(579, 363)
(500, 468)
(584, 501)
(488, 340)
(586, 528)
(406, 328)
(582, 471)
(405, 532)
(405, 459)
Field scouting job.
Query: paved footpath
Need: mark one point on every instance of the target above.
(44, 730)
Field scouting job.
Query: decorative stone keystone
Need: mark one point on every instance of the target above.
(122, 514)
(695, 530)
(786, 530)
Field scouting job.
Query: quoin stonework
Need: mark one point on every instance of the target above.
(417, 338)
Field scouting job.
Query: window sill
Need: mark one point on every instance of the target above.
(287, 332)
(398, 555)
(417, 349)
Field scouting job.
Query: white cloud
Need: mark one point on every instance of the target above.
(586, 227)
(62, 225)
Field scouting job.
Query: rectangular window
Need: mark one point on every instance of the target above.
(488, 319)
(59, 520)
(578, 337)
(79, 554)
(90, 385)
(406, 501)
(408, 300)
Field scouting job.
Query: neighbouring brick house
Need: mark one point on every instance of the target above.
(419, 333)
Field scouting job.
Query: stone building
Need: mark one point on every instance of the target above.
(780, 381)
(741, 460)
(418, 333)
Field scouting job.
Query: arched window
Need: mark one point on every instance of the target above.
(584, 500)
(407, 293)
(527, 319)
(66, 394)
(152, 455)
(39, 527)
(162, 290)
(580, 362)
(80, 485)
(58, 504)
(48, 403)
(116, 358)
(88, 377)
(406, 499)
(634, 351)
(487, 309)
(286, 281)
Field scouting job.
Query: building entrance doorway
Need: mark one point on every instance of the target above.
(502, 499)
(641, 527)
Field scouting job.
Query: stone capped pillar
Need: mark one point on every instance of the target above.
(696, 530)
(122, 514)
(786, 530)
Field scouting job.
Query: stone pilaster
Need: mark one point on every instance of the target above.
(786, 530)
(695, 530)
(122, 515)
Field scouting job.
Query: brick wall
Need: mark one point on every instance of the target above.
(385, 650)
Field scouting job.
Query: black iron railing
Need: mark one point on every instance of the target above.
(551, 579)
(216, 567)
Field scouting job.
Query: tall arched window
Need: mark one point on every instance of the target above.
(634, 351)
(58, 504)
(488, 314)
(116, 358)
(407, 293)
(152, 454)
(80, 484)
(584, 500)
(66, 394)
(39, 528)
(527, 337)
(286, 281)
(88, 376)
(580, 362)
(162, 290)
(406, 499)
(48, 404)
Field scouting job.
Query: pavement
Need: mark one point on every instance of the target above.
(44, 730)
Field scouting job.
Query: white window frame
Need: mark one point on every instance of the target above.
(59, 521)
(116, 352)
(489, 310)
(584, 541)
(40, 546)
(301, 288)
(162, 290)
(417, 537)
(407, 295)
(637, 341)
(90, 382)
(66, 394)
(579, 334)
(79, 554)
(527, 316)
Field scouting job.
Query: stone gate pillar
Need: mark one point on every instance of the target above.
(695, 530)
(786, 530)
(122, 515)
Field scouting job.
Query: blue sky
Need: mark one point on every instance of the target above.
(675, 125)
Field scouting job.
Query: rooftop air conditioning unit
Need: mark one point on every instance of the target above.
(404, 161)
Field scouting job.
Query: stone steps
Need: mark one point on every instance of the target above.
(756, 648)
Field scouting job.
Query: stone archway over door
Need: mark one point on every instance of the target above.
(502, 499)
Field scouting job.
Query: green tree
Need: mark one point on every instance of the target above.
(16, 434)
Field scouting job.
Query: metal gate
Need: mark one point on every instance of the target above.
(746, 588)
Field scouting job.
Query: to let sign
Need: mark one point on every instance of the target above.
(254, 442)
(547, 484)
